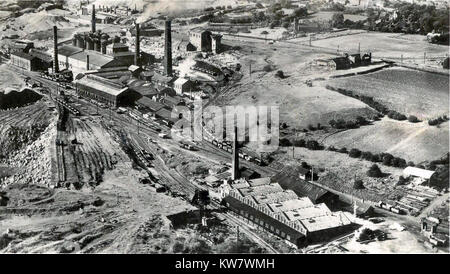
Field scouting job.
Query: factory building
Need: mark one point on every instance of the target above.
(78, 61)
(204, 40)
(104, 91)
(183, 85)
(21, 46)
(293, 178)
(25, 61)
(283, 213)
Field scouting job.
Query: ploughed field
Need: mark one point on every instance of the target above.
(410, 92)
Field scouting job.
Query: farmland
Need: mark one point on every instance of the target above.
(410, 92)
(385, 45)
(413, 142)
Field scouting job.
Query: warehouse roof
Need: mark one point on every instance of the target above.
(418, 172)
(103, 85)
(68, 50)
(23, 55)
(335, 219)
(166, 115)
(95, 58)
(41, 55)
(150, 104)
(307, 212)
(289, 178)
(290, 204)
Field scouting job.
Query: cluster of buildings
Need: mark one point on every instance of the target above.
(285, 205)
(346, 61)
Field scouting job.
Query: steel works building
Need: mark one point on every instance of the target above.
(283, 213)
(104, 91)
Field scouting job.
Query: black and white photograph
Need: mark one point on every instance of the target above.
(235, 128)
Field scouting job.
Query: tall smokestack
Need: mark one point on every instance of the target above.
(235, 161)
(138, 47)
(93, 19)
(168, 49)
(55, 50)
(87, 62)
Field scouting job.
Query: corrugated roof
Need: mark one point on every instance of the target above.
(307, 212)
(289, 178)
(290, 204)
(234, 203)
(335, 219)
(102, 85)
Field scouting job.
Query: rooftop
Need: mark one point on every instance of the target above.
(290, 204)
(333, 220)
(68, 50)
(95, 58)
(418, 172)
(307, 212)
(102, 84)
(23, 55)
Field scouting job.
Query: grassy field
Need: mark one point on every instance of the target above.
(413, 142)
(385, 45)
(411, 92)
(340, 171)
(299, 105)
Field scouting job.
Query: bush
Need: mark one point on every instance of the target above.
(305, 165)
(331, 148)
(410, 163)
(280, 74)
(285, 142)
(343, 150)
(358, 184)
(387, 159)
(374, 171)
(312, 145)
(354, 153)
(300, 143)
(376, 158)
(413, 119)
(267, 68)
(367, 155)
(311, 127)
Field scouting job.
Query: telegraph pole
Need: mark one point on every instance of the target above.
(424, 57)
(237, 234)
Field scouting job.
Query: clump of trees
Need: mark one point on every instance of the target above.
(374, 171)
(410, 18)
(358, 184)
(371, 102)
(386, 159)
(309, 144)
(438, 121)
